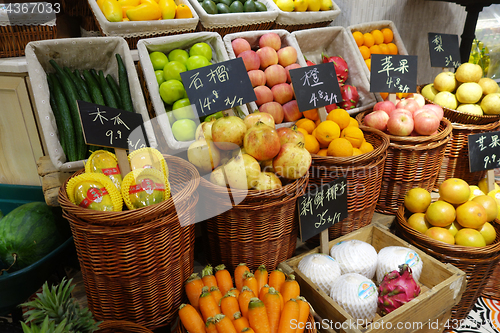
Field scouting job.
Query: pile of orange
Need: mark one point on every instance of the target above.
(375, 42)
(339, 135)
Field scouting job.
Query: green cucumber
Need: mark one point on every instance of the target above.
(81, 82)
(57, 114)
(116, 90)
(109, 98)
(124, 85)
(95, 91)
(79, 89)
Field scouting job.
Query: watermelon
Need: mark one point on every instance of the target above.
(30, 231)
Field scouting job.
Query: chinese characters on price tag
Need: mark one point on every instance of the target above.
(218, 87)
(444, 50)
(322, 208)
(484, 151)
(315, 86)
(393, 73)
(108, 127)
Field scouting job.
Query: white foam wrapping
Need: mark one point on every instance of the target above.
(307, 17)
(355, 256)
(321, 269)
(390, 257)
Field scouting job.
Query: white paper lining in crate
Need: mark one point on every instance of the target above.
(335, 41)
(368, 27)
(253, 38)
(299, 18)
(166, 44)
(144, 28)
(79, 53)
(235, 19)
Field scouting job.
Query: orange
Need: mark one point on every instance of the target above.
(365, 51)
(311, 144)
(358, 37)
(440, 213)
(183, 11)
(303, 131)
(388, 35)
(368, 39)
(326, 132)
(375, 49)
(393, 49)
(353, 122)
(340, 147)
(489, 233)
(323, 152)
(384, 96)
(441, 234)
(378, 36)
(454, 227)
(471, 215)
(366, 147)
(455, 191)
(340, 116)
(317, 122)
(354, 135)
(384, 48)
(301, 120)
(308, 125)
(417, 200)
(356, 151)
(311, 114)
(489, 204)
(368, 63)
(418, 222)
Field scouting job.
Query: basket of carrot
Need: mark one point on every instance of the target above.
(259, 301)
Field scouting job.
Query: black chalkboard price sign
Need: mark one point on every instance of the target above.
(322, 208)
(109, 127)
(444, 50)
(218, 87)
(393, 73)
(484, 151)
(315, 86)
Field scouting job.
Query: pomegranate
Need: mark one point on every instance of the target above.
(257, 116)
(217, 177)
(267, 166)
(290, 135)
(293, 161)
(204, 130)
(242, 172)
(261, 142)
(228, 132)
(268, 181)
(396, 289)
(204, 155)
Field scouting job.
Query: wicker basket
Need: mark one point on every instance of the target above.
(364, 178)
(261, 229)
(121, 326)
(463, 117)
(76, 8)
(134, 263)
(412, 161)
(14, 38)
(492, 288)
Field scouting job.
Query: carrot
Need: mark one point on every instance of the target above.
(251, 282)
(191, 319)
(224, 279)
(290, 288)
(304, 311)
(289, 316)
(235, 291)
(261, 276)
(229, 305)
(273, 308)
(216, 294)
(208, 306)
(208, 277)
(247, 330)
(238, 275)
(210, 325)
(281, 300)
(276, 279)
(243, 300)
(224, 324)
(263, 291)
(240, 322)
(193, 287)
(257, 316)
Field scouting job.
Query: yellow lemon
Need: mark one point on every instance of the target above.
(314, 5)
(300, 5)
(326, 5)
(285, 5)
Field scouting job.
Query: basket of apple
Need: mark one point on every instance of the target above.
(466, 96)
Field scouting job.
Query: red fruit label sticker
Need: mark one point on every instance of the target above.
(94, 194)
(147, 185)
(111, 171)
(366, 289)
(412, 258)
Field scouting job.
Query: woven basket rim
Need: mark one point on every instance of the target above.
(489, 126)
(128, 326)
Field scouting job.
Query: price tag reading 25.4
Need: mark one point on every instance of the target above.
(393, 73)
(218, 87)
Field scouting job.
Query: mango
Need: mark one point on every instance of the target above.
(145, 12)
(112, 10)
(131, 3)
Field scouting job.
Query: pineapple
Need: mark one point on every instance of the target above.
(55, 307)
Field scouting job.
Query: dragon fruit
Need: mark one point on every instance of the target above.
(350, 97)
(396, 289)
(341, 68)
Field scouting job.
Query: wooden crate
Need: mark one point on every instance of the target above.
(52, 179)
(442, 286)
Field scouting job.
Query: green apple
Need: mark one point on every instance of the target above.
(159, 76)
(429, 91)
(470, 108)
(183, 110)
(179, 55)
(197, 61)
(173, 70)
(469, 93)
(158, 59)
(202, 49)
(184, 129)
(171, 117)
(446, 99)
(171, 91)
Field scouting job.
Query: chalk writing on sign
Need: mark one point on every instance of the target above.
(484, 151)
(444, 50)
(393, 73)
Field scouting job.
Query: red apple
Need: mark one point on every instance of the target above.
(400, 124)
(331, 107)
(408, 104)
(257, 77)
(282, 93)
(426, 122)
(287, 56)
(268, 57)
(376, 119)
(240, 45)
(288, 135)
(270, 39)
(275, 74)
(264, 95)
(288, 68)
(274, 109)
(419, 98)
(250, 59)
(419, 111)
(291, 110)
(437, 110)
(402, 111)
(386, 106)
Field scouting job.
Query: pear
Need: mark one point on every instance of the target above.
(469, 93)
(491, 104)
(469, 72)
(445, 81)
(489, 85)
(429, 91)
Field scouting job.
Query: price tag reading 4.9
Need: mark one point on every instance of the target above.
(315, 86)
(218, 87)
(444, 50)
(393, 73)
(321, 209)
(484, 151)
(109, 127)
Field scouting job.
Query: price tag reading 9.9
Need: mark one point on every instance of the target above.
(484, 151)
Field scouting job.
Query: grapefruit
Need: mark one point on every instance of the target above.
(418, 222)
(417, 200)
(475, 191)
(454, 190)
(441, 234)
(440, 214)
(483, 185)
(489, 204)
(454, 227)
(471, 215)
(489, 233)
(495, 194)
(469, 237)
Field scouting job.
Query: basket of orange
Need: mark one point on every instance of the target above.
(341, 147)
